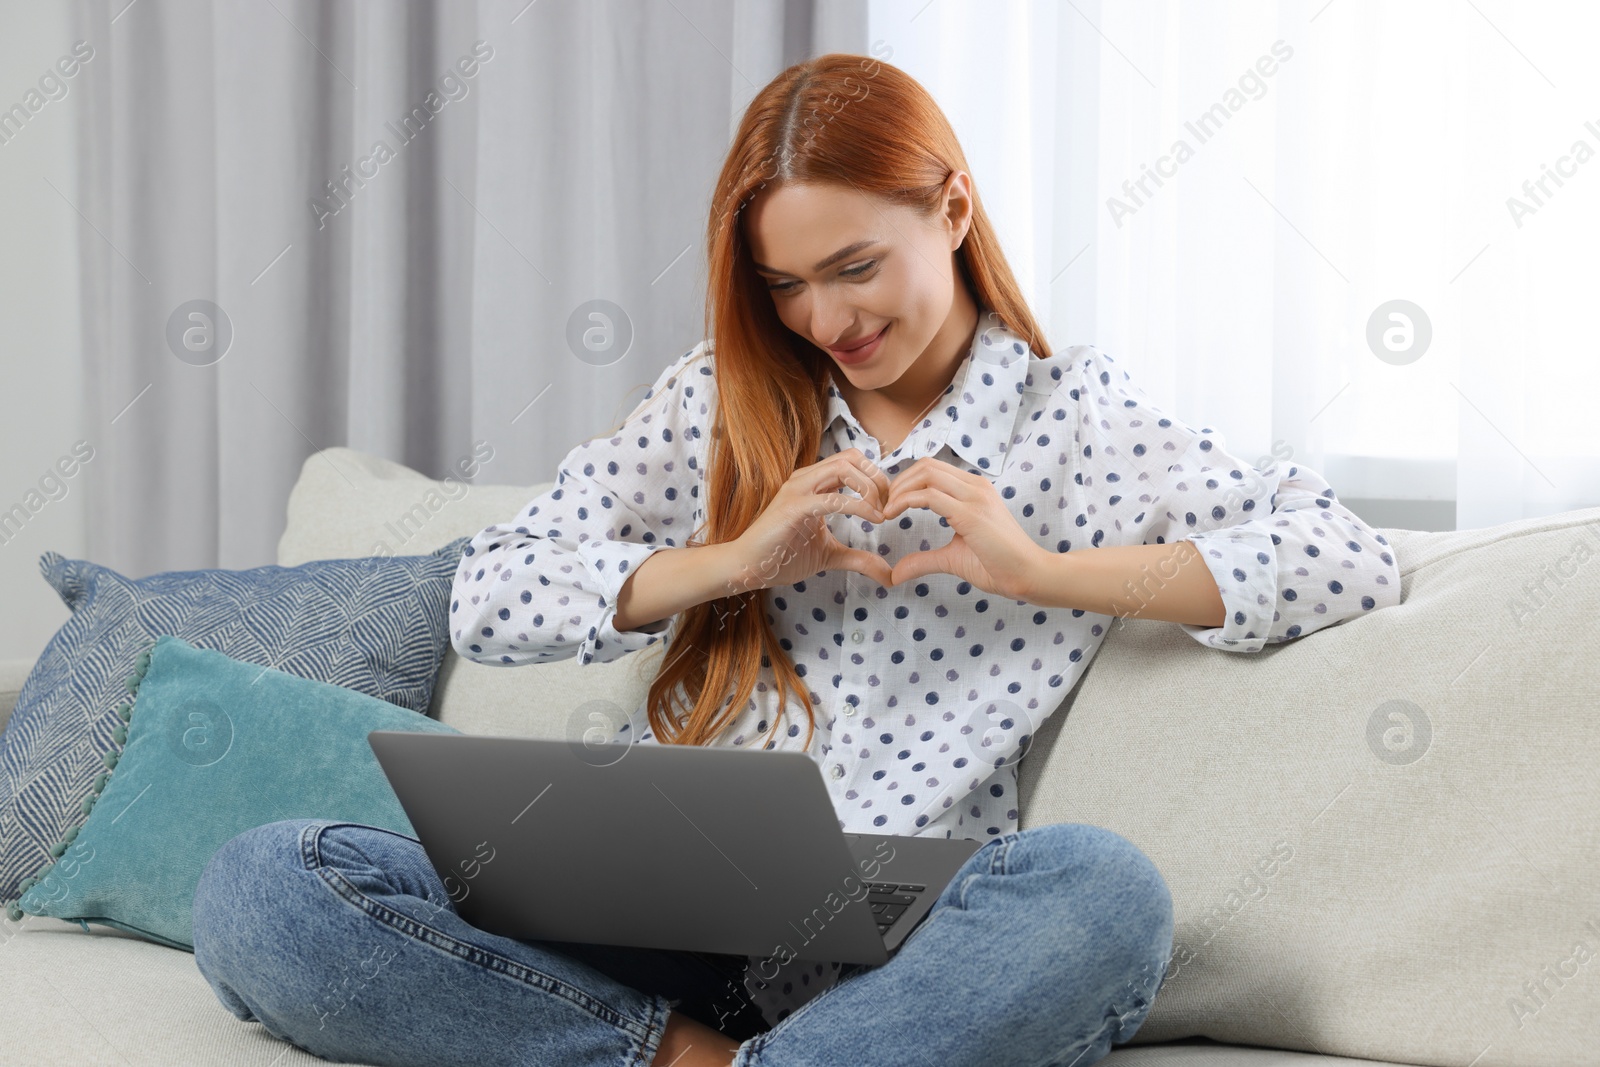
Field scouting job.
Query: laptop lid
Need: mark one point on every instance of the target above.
(711, 849)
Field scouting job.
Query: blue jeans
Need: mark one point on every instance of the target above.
(1045, 949)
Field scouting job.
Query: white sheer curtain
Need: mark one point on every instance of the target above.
(1357, 153)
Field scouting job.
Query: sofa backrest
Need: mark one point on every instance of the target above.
(349, 503)
(1381, 837)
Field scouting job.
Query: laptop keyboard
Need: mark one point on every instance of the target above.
(889, 901)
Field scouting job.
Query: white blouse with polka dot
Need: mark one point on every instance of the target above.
(926, 693)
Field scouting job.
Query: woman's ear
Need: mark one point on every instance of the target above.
(958, 206)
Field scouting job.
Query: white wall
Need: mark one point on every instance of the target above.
(41, 362)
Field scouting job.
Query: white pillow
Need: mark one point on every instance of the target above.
(349, 504)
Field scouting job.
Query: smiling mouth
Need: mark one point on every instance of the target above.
(859, 345)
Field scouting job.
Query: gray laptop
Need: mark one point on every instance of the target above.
(704, 849)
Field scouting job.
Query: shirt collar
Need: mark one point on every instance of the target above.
(978, 411)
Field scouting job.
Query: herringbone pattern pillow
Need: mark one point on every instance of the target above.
(377, 625)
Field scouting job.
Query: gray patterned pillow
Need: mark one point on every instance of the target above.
(377, 625)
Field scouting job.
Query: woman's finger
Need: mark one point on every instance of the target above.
(931, 497)
(865, 487)
(963, 485)
(835, 503)
(810, 476)
(847, 470)
(870, 564)
(933, 475)
(881, 480)
(936, 561)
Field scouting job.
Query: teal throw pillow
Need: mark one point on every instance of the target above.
(376, 624)
(211, 746)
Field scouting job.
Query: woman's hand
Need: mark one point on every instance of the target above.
(989, 548)
(790, 540)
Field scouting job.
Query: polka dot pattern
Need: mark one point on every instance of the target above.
(1287, 557)
(925, 694)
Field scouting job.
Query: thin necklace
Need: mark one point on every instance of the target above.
(937, 395)
(914, 421)
(929, 408)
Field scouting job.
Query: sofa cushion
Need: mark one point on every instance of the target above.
(214, 747)
(376, 624)
(1381, 838)
(351, 503)
(107, 999)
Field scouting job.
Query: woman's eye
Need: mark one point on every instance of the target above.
(853, 272)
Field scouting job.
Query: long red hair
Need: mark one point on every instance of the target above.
(840, 118)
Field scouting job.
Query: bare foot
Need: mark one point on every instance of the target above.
(687, 1043)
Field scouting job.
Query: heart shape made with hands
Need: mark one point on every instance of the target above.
(989, 547)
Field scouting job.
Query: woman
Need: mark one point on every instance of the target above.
(878, 521)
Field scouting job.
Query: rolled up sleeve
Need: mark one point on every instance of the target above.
(544, 585)
(1287, 557)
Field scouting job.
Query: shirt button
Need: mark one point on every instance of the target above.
(838, 770)
(858, 637)
(849, 710)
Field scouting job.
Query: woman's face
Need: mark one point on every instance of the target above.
(840, 266)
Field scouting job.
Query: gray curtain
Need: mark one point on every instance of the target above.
(383, 226)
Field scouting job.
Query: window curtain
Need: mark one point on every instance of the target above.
(262, 280)
(379, 225)
(1237, 201)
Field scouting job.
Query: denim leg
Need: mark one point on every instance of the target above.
(706, 986)
(341, 939)
(1046, 948)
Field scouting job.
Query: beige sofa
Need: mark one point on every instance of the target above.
(1381, 838)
